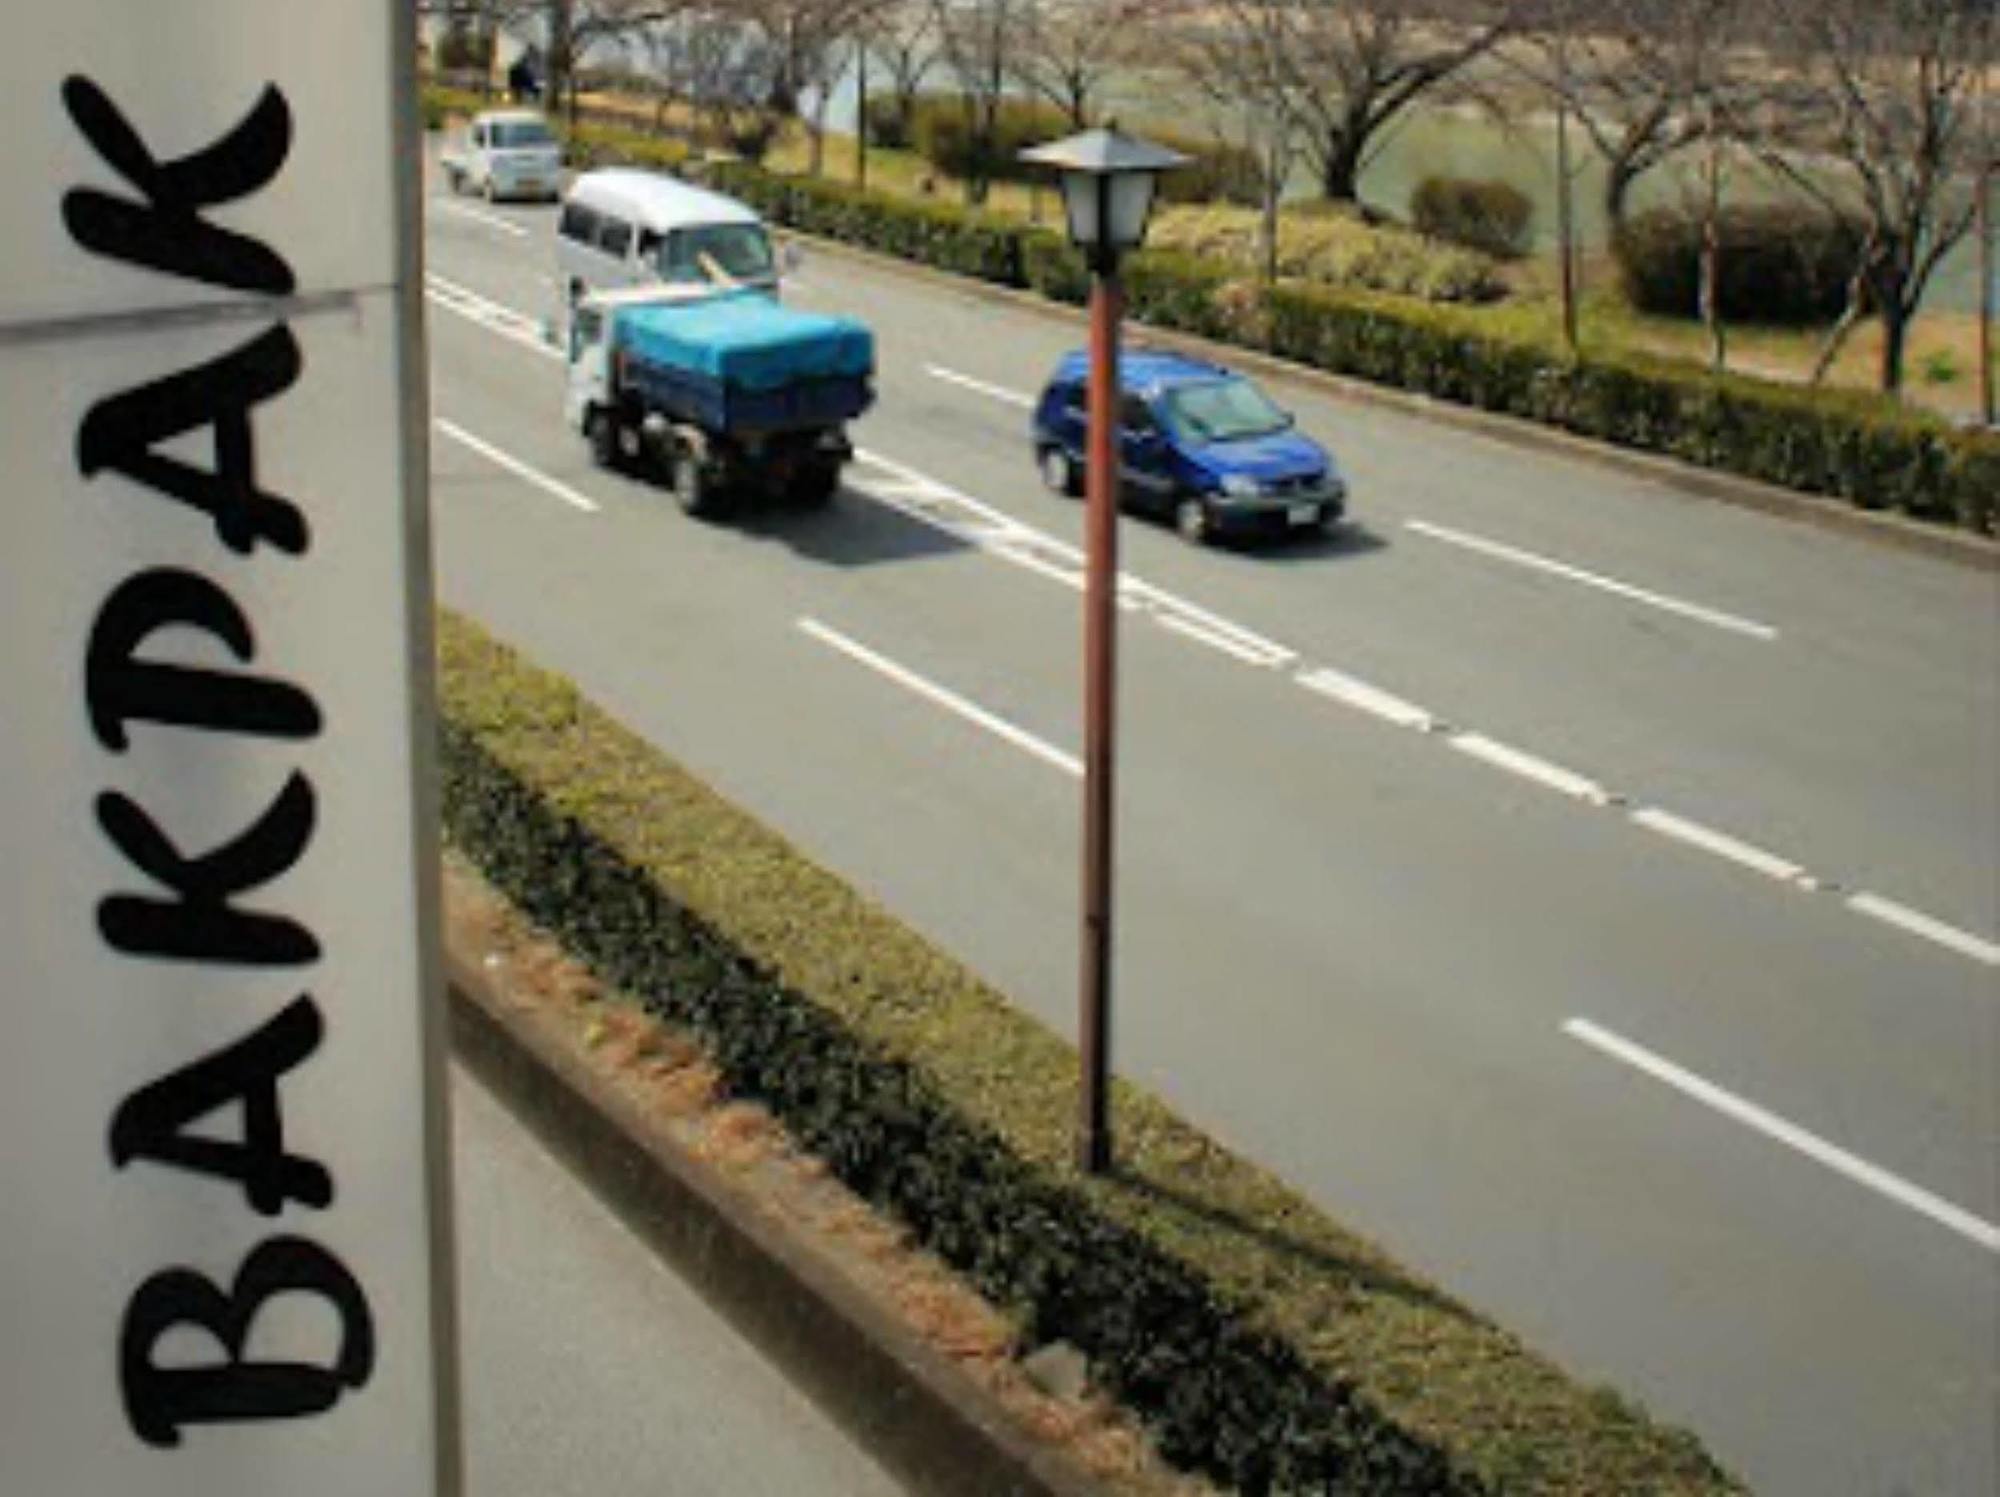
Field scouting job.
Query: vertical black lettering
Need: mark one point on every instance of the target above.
(165, 231)
(152, 1122)
(200, 924)
(162, 1401)
(122, 432)
(120, 688)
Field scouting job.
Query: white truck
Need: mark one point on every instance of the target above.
(505, 153)
(719, 392)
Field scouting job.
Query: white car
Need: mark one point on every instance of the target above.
(505, 153)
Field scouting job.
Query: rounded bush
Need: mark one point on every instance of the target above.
(1780, 264)
(1491, 217)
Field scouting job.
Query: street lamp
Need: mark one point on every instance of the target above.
(1107, 184)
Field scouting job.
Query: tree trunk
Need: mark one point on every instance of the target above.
(1895, 343)
(1340, 167)
(1619, 176)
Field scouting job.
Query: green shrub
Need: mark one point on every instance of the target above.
(1780, 264)
(951, 238)
(1263, 1345)
(437, 104)
(1491, 217)
(1334, 247)
(945, 133)
(889, 123)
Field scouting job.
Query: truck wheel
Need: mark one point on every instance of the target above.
(815, 487)
(602, 430)
(693, 490)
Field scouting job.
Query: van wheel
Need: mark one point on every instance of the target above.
(1059, 473)
(693, 490)
(602, 430)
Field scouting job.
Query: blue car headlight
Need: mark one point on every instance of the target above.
(1241, 486)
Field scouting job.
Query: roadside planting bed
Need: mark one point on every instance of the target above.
(1262, 1344)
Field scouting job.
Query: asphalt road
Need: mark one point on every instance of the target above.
(1587, 891)
(591, 1370)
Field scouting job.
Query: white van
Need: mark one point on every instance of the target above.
(631, 228)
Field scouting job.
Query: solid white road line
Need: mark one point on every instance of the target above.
(1694, 834)
(490, 220)
(518, 468)
(952, 376)
(997, 533)
(1225, 641)
(1514, 554)
(1897, 1189)
(952, 702)
(1354, 692)
(515, 326)
(1918, 923)
(1528, 766)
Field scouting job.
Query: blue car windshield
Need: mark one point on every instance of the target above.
(1222, 410)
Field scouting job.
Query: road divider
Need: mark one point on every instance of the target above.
(1973, 1228)
(1499, 551)
(518, 468)
(950, 700)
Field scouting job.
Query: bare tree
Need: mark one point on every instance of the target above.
(1356, 65)
(1645, 78)
(1239, 58)
(903, 35)
(805, 42)
(572, 28)
(1071, 49)
(1887, 126)
(977, 41)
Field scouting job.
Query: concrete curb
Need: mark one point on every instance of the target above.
(899, 1399)
(1961, 547)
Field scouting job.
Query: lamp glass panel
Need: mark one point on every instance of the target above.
(1080, 202)
(1131, 201)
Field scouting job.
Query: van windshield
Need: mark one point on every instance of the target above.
(1223, 410)
(515, 133)
(715, 252)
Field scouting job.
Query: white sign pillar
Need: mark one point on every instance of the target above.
(224, 1222)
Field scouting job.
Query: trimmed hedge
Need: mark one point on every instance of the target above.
(1856, 446)
(1491, 217)
(1264, 1346)
(1780, 264)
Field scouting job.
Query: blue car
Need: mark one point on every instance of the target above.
(1199, 445)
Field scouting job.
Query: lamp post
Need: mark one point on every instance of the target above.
(1107, 183)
